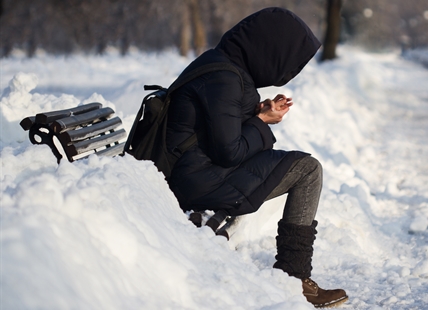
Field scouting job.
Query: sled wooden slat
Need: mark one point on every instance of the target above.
(90, 131)
(49, 117)
(27, 122)
(73, 121)
(80, 131)
(112, 151)
(94, 143)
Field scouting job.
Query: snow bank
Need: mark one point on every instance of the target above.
(419, 55)
(106, 233)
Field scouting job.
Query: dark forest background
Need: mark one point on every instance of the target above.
(66, 26)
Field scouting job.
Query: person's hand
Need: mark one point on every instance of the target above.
(272, 111)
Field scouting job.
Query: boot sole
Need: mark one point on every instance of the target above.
(333, 304)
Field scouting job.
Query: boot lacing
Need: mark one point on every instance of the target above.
(311, 283)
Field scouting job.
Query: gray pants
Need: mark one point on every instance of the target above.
(303, 183)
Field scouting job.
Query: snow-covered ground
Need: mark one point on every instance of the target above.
(106, 233)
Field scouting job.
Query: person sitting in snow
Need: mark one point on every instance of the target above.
(233, 169)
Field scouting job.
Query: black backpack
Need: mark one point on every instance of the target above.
(147, 139)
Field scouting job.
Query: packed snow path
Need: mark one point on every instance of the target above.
(106, 233)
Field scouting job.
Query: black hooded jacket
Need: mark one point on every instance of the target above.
(234, 166)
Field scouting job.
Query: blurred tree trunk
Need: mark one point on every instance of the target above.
(199, 37)
(333, 29)
(186, 31)
(192, 28)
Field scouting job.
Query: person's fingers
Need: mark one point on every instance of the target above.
(269, 103)
(284, 106)
(279, 97)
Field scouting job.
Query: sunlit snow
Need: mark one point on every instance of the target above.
(107, 233)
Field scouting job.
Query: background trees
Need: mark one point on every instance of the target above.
(64, 26)
(332, 33)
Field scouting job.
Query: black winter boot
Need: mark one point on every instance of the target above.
(294, 244)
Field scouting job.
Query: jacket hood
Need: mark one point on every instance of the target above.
(273, 45)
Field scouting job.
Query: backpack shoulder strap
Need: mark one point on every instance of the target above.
(216, 66)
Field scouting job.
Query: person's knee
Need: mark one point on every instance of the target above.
(315, 163)
(312, 164)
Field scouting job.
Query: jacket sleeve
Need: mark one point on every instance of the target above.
(231, 141)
